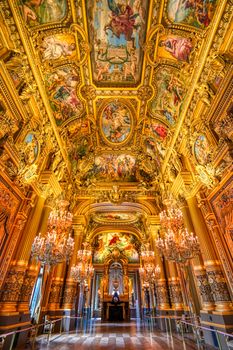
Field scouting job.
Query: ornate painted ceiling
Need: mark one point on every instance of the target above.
(103, 99)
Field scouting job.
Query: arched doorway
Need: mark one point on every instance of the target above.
(116, 263)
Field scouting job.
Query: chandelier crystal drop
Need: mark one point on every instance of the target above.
(178, 244)
(57, 245)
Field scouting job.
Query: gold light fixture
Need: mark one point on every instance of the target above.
(57, 245)
(149, 273)
(84, 269)
(178, 244)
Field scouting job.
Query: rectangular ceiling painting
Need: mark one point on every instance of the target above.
(117, 32)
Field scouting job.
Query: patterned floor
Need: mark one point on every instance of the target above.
(110, 336)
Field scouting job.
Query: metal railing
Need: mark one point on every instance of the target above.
(49, 327)
(173, 326)
(192, 330)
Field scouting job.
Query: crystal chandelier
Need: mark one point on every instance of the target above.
(55, 247)
(149, 273)
(178, 244)
(84, 269)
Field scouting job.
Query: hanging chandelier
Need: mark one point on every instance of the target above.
(178, 244)
(57, 245)
(84, 269)
(149, 273)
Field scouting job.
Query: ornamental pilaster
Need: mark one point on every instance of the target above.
(211, 262)
(70, 284)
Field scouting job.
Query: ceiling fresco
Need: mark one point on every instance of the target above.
(110, 243)
(115, 218)
(115, 80)
(117, 31)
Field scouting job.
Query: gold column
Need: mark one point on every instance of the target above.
(71, 285)
(197, 268)
(15, 278)
(213, 266)
(161, 283)
(175, 287)
(32, 268)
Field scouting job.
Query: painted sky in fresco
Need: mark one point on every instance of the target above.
(117, 32)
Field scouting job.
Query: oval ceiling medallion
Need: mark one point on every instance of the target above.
(116, 122)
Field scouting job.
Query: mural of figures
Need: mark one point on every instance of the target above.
(174, 47)
(31, 149)
(105, 244)
(170, 94)
(43, 11)
(61, 87)
(113, 168)
(58, 46)
(201, 149)
(116, 122)
(77, 149)
(117, 30)
(114, 217)
(196, 13)
(155, 134)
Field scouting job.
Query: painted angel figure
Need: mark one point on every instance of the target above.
(122, 19)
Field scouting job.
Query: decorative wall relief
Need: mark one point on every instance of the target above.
(117, 32)
(116, 122)
(222, 204)
(204, 288)
(62, 90)
(9, 206)
(194, 13)
(218, 286)
(43, 12)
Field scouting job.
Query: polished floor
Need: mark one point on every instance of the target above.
(111, 336)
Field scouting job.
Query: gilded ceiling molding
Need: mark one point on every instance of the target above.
(36, 72)
(222, 7)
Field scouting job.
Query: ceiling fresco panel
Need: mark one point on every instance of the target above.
(43, 12)
(116, 123)
(105, 244)
(113, 167)
(170, 92)
(117, 32)
(197, 14)
(62, 90)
